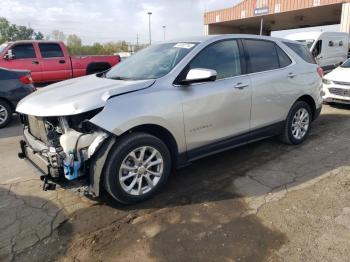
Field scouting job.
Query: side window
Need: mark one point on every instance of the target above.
(50, 50)
(302, 51)
(224, 57)
(317, 49)
(262, 55)
(283, 57)
(22, 51)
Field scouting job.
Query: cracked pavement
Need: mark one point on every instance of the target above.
(261, 202)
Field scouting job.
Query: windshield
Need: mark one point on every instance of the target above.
(152, 62)
(346, 64)
(2, 47)
(307, 42)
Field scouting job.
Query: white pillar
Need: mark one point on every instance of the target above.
(206, 29)
(345, 18)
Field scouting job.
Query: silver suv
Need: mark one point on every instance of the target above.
(168, 105)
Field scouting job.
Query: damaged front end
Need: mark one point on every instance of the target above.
(61, 147)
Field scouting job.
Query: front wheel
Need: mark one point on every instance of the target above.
(137, 168)
(297, 125)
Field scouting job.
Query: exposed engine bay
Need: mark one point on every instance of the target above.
(61, 147)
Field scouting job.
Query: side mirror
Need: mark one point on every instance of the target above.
(9, 55)
(198, 75)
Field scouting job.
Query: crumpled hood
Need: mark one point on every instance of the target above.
(340, 74)
(76, 95)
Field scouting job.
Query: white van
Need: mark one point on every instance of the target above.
(330, 49)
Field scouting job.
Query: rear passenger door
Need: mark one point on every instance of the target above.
(273, 82)
(56, 66)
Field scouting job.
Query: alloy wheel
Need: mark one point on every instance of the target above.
(300, 123)
(141, 170)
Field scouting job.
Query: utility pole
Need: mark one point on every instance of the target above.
(149, 27)
(164, 27)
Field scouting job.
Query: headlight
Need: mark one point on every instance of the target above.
(326, 81)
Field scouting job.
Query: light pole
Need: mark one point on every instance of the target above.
(149, 27)
(164, 27)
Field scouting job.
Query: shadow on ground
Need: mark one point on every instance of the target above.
(30, 228)
(13, 129)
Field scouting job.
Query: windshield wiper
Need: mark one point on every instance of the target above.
(120, 78)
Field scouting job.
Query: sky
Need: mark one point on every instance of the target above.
(113, 20)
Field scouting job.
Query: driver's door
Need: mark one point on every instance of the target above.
(25, 58)
(217, 112)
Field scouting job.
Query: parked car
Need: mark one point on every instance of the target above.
(336, 85)
(168, 105)
(49, 61)
(330, 49)
(14, 85)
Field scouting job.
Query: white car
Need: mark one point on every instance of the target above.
(336, 85)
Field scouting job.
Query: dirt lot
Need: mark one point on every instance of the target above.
(262, 202)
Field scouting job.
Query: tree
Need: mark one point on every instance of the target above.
(22, 33)
(38, 36)
(13, 32)
(74, 44)
(4, 26)
(58, 35)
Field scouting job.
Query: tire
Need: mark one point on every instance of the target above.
(115, 172)
(290, 137)
(5, 113)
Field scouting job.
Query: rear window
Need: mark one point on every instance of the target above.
(283, 57)
(302, 51)
(50, 50)
(262, 55)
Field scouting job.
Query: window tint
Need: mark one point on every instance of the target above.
(283, 57)
(318, 48)
(50, 50)
(23, 51)
(262, 55)
(224, 57)
(301, 51)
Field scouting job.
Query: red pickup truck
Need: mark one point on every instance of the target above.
(49, 61)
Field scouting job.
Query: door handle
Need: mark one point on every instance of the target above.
(240, 86)
(62, 61)
(292, 75)
(35, 62)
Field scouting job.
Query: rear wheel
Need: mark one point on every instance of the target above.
(297, 125)
(5, 113)
(137, 167)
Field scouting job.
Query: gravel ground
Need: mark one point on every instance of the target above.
(261, 202)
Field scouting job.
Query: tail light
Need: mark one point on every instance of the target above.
(320, 72)
(27, 79)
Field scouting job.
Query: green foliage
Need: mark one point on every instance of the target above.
(75, 47)
(38, 36)
(57, 35)
(12, 32)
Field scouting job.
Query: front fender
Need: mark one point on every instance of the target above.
(124, 112)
